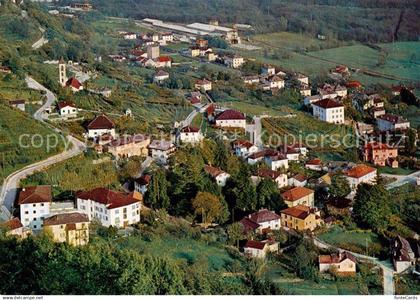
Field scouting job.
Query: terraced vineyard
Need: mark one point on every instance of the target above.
(320, 136)
(23, 141)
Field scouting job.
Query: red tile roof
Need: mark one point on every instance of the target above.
(248, 225)
(393, 118)
(298, 211)
(66, 218)
(107, 197)
(190, 129)
(353, 84)
(327, 103)
(315, 162)
(300, 177)
(164, 59)
(213, 171)
(143, 180)
(63, 104)
(35, 194)
(255, 245)
(243, 143)
(263, 215)
(161, 73)
(73, 82)
(296, 193)
(203, 82)
(360, 171)
(16, 102)
(266, 173)
(231, 114)
(335, 259)
(101, 122)
(11, 224)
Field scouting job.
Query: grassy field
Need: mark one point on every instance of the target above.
(288, 51)
(253, 109)
(292, 41)
(13, 88)
(394, 171)
(403, 59)
(293, 285)
(23, 140)
(77, 173)
(356, 239)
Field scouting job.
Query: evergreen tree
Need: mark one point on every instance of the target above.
(157, 196)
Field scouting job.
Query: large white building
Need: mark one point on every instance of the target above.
(234, 61)
(328, 110)
(101, 125)
(361, 174)
(191, 135)
(388, 122)
(34, 203)
(109, 207)
(231, 118)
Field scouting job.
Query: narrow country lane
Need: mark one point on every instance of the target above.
(73, 147)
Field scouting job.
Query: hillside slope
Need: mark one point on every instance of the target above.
(362, 20)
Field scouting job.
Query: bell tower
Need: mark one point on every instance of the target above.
(62, 74)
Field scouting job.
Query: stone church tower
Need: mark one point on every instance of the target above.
(62, 73)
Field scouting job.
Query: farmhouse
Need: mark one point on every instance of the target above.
(14, 227)
(101, 125)
(203, 85)
(217, 174)
(231, 118)
(19, 104)
(160, 76)
(328, 110)
(276, 160)
(259, 249)
(279, 178)
(298, 180)
(67, 109)
(71, 228)
(380, 154)
(190, 134)
(402, 254)
(360, 174)
(300, 218)
(127, 146)
(74, 84)
(342, 263)
(109, 207)
(265, 219)
(141, 183)
(299, 196)
(234, 61)
(244, 148)
(34, 204)
(389, 122)
(314, 164)
(160, 150)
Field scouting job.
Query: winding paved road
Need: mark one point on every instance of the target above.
(401, 179)
(73, 147)
(388, 272)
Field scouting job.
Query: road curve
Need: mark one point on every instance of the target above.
(73, 147)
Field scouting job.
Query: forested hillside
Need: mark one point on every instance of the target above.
(363, 20)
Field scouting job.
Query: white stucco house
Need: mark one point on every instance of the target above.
(231, 118)
(191, 135)
(244, 148)
(161, 150)
(101, 125)
(388, 122)
(109, 207)
(217, 174)
(67, 109)
(328, 110)
(361, 174)
(34, 204)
